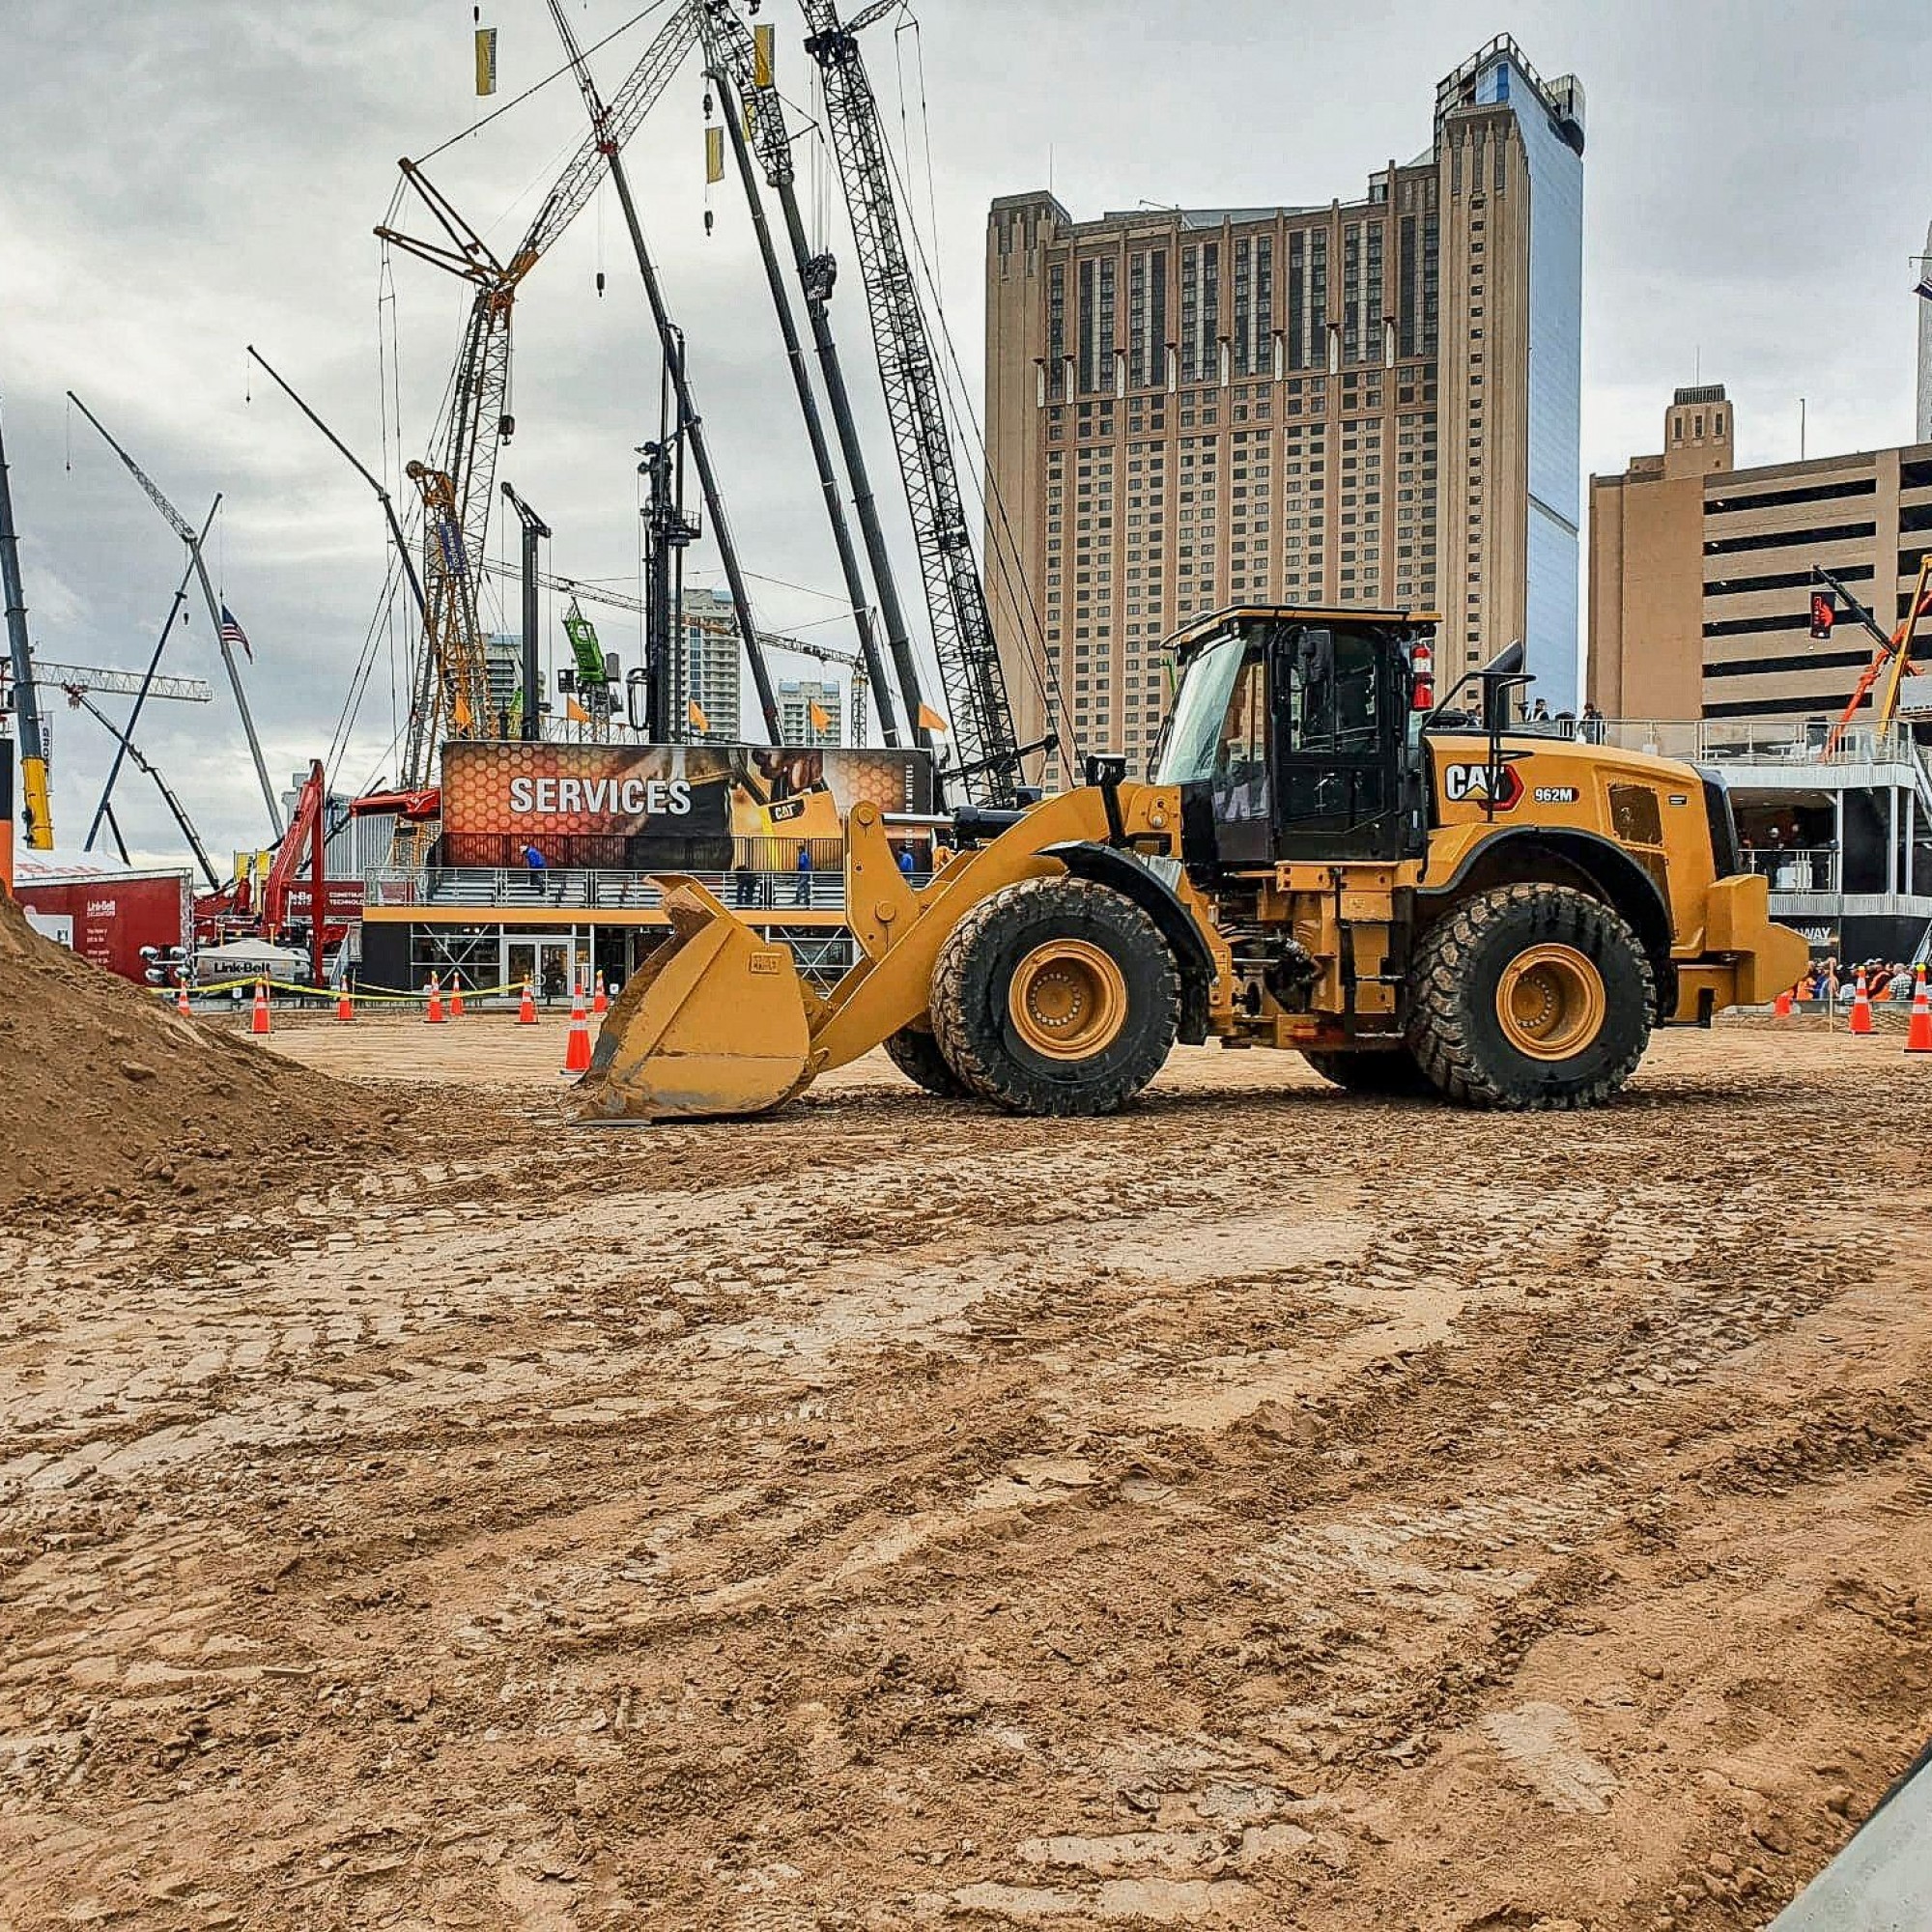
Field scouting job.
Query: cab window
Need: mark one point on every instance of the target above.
(1333, 691)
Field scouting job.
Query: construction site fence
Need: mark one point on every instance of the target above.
(241, 990)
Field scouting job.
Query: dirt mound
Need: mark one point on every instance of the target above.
(106, 1089)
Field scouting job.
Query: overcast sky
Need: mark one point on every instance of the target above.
(179, 178)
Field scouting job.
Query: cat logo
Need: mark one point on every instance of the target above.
(1470, 784)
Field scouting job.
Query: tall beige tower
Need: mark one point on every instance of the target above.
(1647, 564)
(1320, 404)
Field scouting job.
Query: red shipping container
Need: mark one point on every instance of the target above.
(108, 917)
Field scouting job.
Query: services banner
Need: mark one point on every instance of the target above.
(640, 806)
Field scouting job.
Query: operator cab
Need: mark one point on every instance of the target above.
(1293, 735)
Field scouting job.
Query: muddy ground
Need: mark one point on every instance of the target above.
(1272, 1508)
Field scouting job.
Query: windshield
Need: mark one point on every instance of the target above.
(1200, 707)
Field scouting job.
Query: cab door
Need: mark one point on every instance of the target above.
(1340, 723)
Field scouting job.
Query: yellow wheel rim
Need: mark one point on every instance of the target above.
(1068, 1000)
(1550, 1002)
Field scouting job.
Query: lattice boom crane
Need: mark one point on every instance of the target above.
(458, 483)
(962, 628)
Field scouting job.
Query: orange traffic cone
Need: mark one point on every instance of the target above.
(526, 1013)
(182, 1005)
(1861, 1021)
(432, 1015)
(456, 1001)
(577, 1053)
(600, 1002)
(1918, 1029)
(345, 1007)
(1781, 1006)
(259, 1023)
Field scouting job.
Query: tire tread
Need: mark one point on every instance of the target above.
(1439, 991)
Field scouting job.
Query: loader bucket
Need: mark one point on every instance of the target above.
(713, 1023)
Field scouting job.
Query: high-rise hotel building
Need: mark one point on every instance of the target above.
(1369, 401)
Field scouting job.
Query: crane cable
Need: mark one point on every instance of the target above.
(537, 87)
(1004, 557)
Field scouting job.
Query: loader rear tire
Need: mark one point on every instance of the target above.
(1056, 997)
(1530, 997)
(916, 1054)
(1390, 1070)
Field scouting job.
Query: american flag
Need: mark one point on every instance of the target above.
(232, 632)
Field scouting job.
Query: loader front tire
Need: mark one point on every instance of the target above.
(916, 1054)
(1056, 997)
(1530, 997)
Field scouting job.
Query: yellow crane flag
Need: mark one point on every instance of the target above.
(821, 718)
(714, 153)
(575, 712)
(486, 60)
(459, 714)
(763, 37)
(694, 714)
(931, 720)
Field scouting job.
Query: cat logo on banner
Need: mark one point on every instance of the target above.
(486, 60)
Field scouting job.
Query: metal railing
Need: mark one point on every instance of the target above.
(1796, 868)
(572, 891)
(1712, 740)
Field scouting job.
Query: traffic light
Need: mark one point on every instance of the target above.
(1823, 613)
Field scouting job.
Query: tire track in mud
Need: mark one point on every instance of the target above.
(1170, 1514)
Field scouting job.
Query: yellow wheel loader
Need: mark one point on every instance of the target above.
(1411, 893)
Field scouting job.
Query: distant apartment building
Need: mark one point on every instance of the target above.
(1700, 573)
(709, 668)
(802, 703)
(1370, 402)
(503, 665)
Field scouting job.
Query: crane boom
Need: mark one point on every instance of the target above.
(962, 628)
(734, 44)
(184, 529)
(113, 683)
(476, 419)
(670, 339)
(740, 69)
(76, 694)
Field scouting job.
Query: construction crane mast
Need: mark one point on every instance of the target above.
(739, 63)
(962, 628)
(450, 683)
(38, 812)
(185, 530)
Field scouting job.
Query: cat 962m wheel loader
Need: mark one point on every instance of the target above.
(1412, 895)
